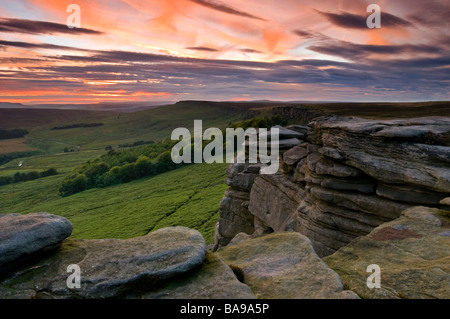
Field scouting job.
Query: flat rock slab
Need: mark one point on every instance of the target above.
(26, 236)
(294, 155)
(110, 267)
(213, 280)
(284, 266)
(285, 133)
(413, 253)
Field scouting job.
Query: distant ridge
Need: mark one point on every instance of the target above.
(109, 107)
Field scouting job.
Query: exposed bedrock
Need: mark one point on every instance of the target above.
(345, 178)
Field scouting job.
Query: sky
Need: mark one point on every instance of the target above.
(233, 50)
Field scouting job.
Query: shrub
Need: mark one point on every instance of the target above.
(49, 172)
(144, 167)
(73, 185)
(32, 176)
(127, 172)
(164, 162)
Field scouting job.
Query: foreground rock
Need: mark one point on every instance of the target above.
(110, 267)
(214, 280)
(283, 266)
(23, 237)
(412, 251)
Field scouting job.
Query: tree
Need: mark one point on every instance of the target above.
(73, 185)
(32, 176)
(144, 167)
(127, 172)
(164, 162)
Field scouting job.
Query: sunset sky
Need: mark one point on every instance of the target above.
(169, 50)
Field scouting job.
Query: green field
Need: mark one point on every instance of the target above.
(188, 196)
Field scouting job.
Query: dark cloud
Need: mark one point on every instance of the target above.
(432, 14)
(303, 34)
(413, 78)
(250, 51)
(28, 45)
(310, 35)
(202, 49)
(224, 8)
(40, 27)
(352, 51)
(353, 21)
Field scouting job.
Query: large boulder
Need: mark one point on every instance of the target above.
(23, 237)
(110, 267)
(411, 251)
(283, 266)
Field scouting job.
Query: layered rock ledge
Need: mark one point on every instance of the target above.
(346, 177)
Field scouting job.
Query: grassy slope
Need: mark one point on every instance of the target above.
(182, 197)
(189, 196)
(154, 124)
(386, 110)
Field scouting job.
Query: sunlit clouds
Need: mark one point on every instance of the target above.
(168, 50)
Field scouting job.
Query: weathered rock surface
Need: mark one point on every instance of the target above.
(26, 236)
(284, 266)
(352, 175)
(109, 267)
(234, 217)
(412, 251)
(294, 155)
(213, 280)
(233, 210)
(392, 151)
(278, 212)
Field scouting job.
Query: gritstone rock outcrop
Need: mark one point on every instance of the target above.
(343, 179)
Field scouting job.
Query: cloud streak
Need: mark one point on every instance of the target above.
(353, 21)
(41, 27)
(215, 5)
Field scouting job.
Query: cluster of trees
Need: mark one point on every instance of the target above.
(125, 165)
(138, 143)
(66, 127)
(99, 174)
(14, 133)
(120, 166)
(23, 177)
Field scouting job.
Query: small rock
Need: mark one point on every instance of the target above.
(294, 155)
(330, 152)
(298, 128)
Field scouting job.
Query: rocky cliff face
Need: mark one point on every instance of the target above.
(342, 179)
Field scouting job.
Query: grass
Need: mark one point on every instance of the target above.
(14, 145)
(119, 128)
(189, 197)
